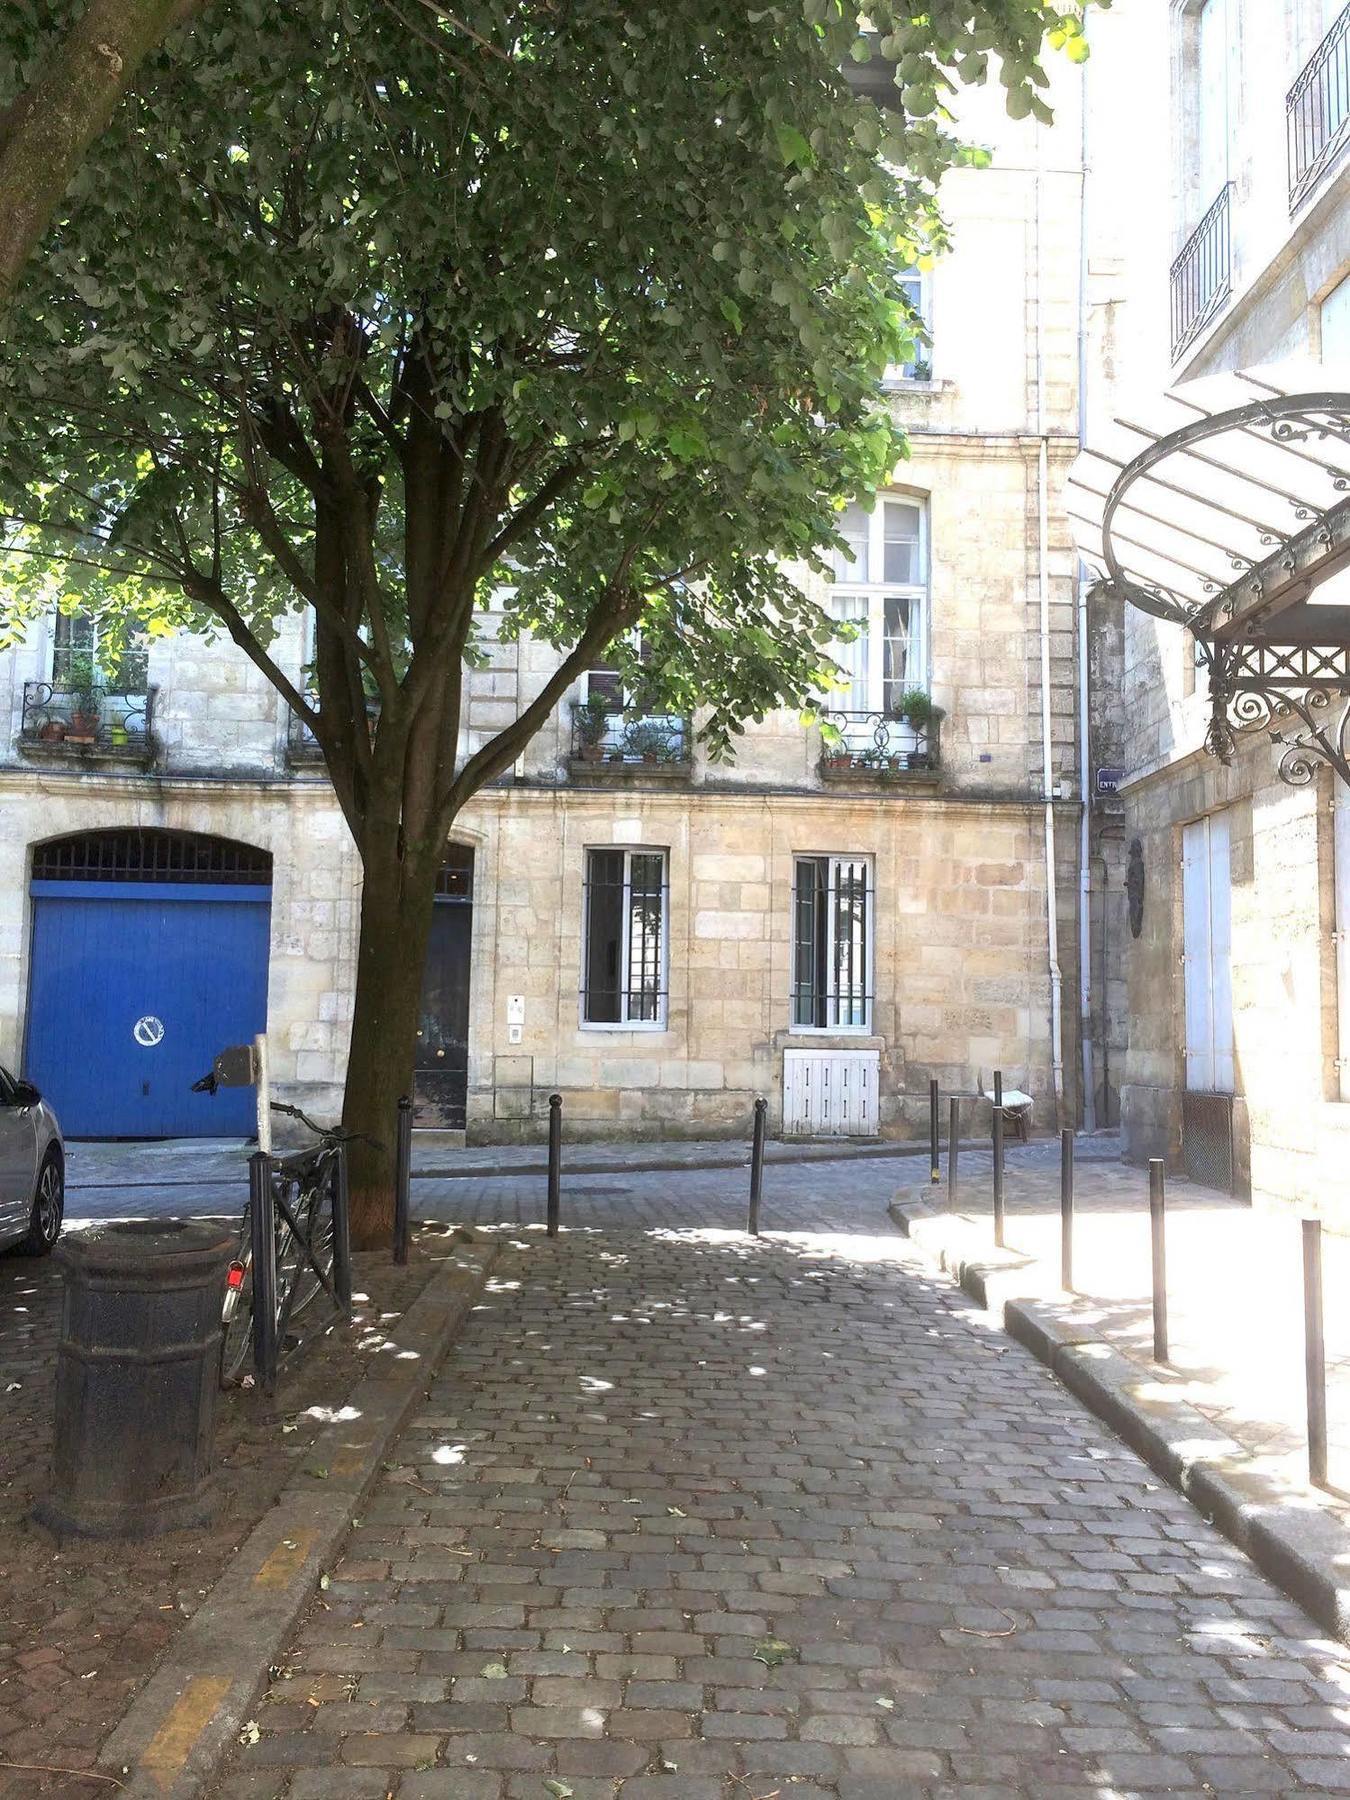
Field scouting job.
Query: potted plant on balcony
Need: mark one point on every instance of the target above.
(648, 741)
(81, 683)
(590, 720)
(915, 707)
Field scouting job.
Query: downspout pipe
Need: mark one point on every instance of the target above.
(1085, 1035)
(1043, 597)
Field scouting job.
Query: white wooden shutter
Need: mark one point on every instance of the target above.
(1341, 840)
(1206, 909)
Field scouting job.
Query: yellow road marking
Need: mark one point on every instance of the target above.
(285, 1561)
(168, 1749)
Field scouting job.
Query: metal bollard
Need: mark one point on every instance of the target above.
(1314, 1352)
(554, 1162)
(998, 1158)
(402, 1179)
(757, 1166)
(1157, 1217)
(1066, 1211)
(342, 1234)
(262, 1226)
(953, 1143)
(934, 1125)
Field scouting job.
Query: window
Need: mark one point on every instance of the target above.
(624, 939)
(79, 644)
(882, 589)
(916, 288)
(832, 944)
(1207, 930)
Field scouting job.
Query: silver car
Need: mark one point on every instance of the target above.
(32, 1168)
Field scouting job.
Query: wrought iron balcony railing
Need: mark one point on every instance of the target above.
(58, 719)
(876, 746)
(615, 740)
(1202, 274)
(1317, 110)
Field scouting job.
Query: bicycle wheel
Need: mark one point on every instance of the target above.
(236, 1332)
(313, 1251)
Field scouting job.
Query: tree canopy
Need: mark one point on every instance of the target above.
(389, 308)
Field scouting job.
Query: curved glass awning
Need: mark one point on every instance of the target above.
(1224, 505)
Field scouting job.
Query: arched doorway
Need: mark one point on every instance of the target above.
(149, 955)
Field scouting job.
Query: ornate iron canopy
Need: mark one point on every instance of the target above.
(1225, 508)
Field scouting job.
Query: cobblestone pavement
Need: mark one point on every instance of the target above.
(1235, 1297)
(82, 1626)
(686, 1518)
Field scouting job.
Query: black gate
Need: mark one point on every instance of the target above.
(441, 1080)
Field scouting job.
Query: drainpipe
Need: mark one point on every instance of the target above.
(1043, 587)
(1084, 725)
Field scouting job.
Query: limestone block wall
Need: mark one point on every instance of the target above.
(960, 969)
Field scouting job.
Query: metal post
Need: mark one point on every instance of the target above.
(1314, 1352)
(342, 1236)
(998, 1158)
(1066, 1211)
(1157, 1215)
(263, 1097)
(262, 1223)
(402, 1179)
(554, 1162)
(757, 1166)
(934, 1123)
(953, 1141)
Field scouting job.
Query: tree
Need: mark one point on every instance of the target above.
(577, 304)
(78, 76)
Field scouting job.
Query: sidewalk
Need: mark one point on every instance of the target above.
(1235, 1305)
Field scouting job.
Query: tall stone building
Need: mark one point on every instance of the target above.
(1212, 502)
(827, 920)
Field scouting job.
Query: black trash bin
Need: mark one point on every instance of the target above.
(137, 1374)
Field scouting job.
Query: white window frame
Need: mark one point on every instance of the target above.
(899, 375)
(863, 1027)
(628, 852)
(874, 594)
(112, 686)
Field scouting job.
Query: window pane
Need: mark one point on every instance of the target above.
(603, 968)
(895, 641)
(849, 946)
(853, 658)
(853, 528)
(646, 898)
(901, 526)
(809, 920)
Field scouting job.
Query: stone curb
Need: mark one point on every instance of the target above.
(178, 1729)
(1293, 1538)
(775, 1152)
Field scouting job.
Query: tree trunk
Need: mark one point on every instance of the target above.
(48, 129)
(396, 904)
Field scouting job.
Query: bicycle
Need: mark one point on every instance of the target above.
(304, 1187)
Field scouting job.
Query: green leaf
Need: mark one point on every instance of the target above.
(793, 147)
(772, 1651)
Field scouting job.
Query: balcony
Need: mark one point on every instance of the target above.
(611, 744)
(1202, 274)
(1317, 111)
(92, 722)
(302, 747)
(874, 746)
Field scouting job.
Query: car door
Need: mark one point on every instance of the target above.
(18, 1159)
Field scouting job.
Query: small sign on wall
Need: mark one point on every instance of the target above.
(515, 1009)
(1109, 780)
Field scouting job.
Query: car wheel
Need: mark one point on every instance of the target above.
(49, 1205)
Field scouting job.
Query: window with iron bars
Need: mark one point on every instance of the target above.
(832, 944)
(624, 939)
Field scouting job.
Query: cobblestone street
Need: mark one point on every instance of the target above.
(688, 1518)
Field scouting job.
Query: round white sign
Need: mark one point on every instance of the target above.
(148, 1031)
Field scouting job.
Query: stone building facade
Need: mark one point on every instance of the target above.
(945, 868)
(1243, 194)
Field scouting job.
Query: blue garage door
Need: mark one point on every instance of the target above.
(136, 984)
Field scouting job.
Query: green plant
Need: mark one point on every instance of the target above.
(81, 680)
(591, 718)
(650, 741)
(915, 707)
(921, 371)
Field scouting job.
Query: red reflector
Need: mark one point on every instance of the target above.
(235, 1278)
